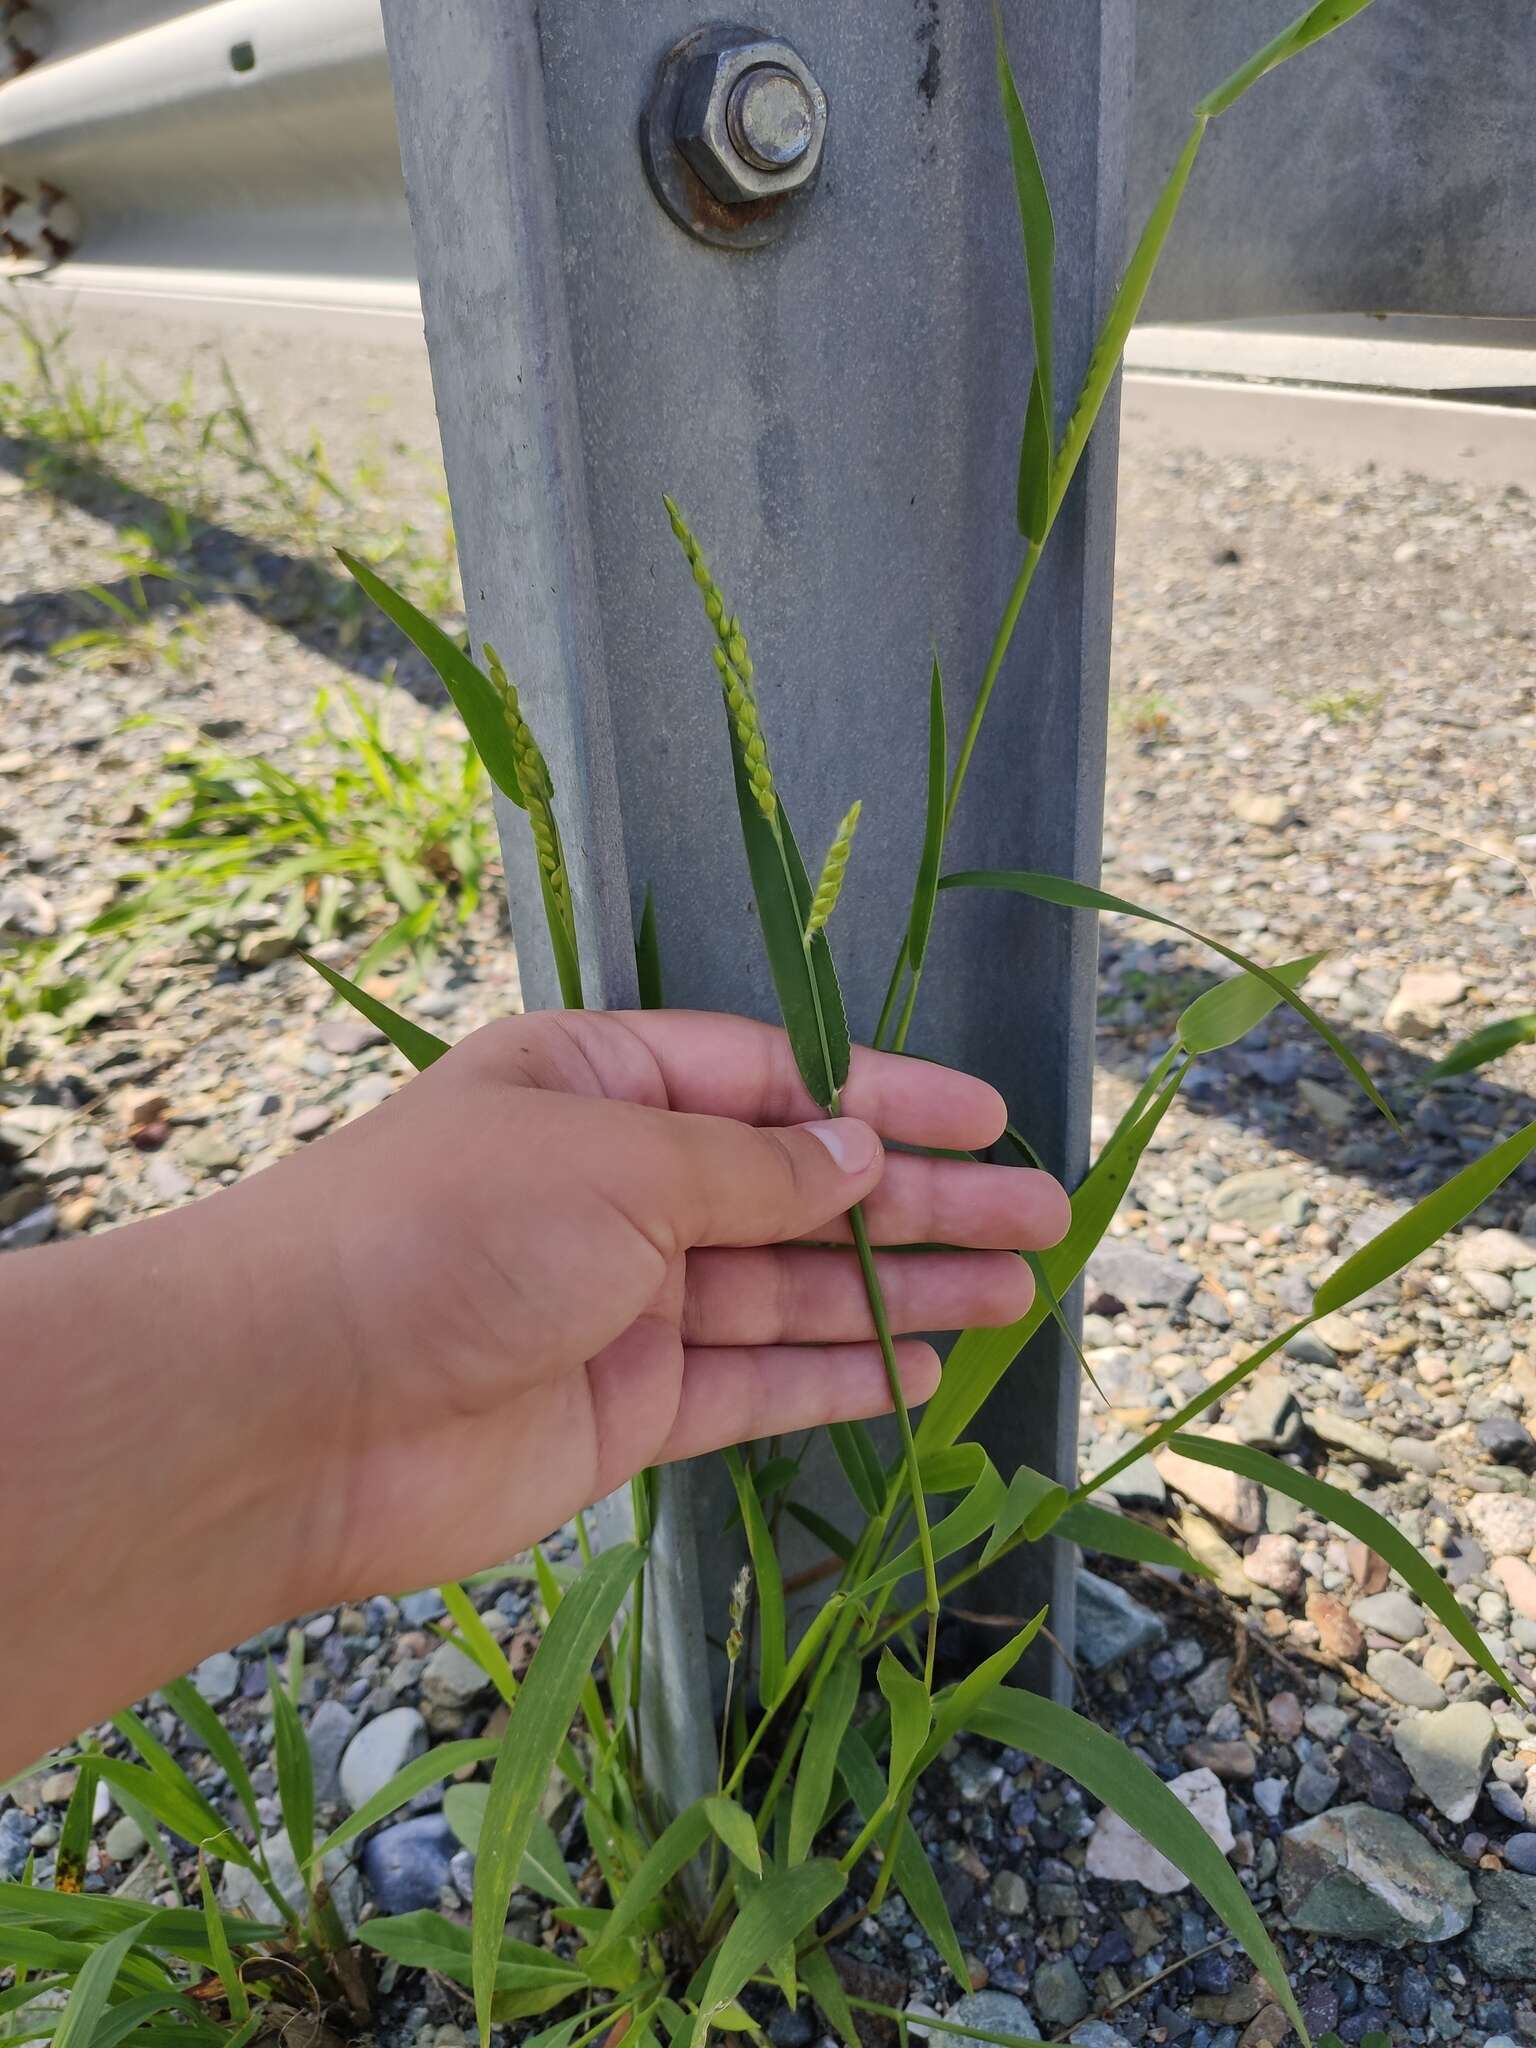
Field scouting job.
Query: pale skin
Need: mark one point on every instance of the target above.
(571, 1249)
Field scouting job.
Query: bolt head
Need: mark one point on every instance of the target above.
(751, 120)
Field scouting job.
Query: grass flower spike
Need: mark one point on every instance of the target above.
(734, 665)
(538, 788)
(830, 885)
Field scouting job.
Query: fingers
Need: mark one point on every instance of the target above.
(735, 1067)
(736, 1392)
(952, 1202)
(706, 1180)
(801, 1296)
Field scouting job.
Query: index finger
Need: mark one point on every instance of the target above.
(717, 1065)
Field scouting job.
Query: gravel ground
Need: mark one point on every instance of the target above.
(1324, 737)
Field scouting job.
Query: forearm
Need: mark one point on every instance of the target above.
(155, 1483)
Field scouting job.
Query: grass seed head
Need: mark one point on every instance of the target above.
(537, 786)
(830, 885)
(734, 666)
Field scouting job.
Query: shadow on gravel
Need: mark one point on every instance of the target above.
(320, 606)
(1253, 1086)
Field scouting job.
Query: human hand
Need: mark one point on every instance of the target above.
(563, 1254)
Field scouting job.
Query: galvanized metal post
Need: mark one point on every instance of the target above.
(837, 408)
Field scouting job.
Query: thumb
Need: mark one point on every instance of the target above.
(728, 1183)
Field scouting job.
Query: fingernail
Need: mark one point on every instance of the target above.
(853, 1145)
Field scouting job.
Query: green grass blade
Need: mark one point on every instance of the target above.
(1104, 363)
(961, 1526)
(93, 1988)
(536, 1731)
(428, 1941)
(1318, 21)
(953, 1709)
(1110, 1535)
(477, 1641)
(416, 1776)
(818, 1759)
(861, 1465)
(420, 1046)
(826, 1987)
(804, 978)
(1039, 229)
(1225, 1014)
(914, 1876)
(473, 692)
(979, 1358)
(771, 1919)
(218, 1947)
(648, 955)
(1491, 1043)
(733, 1824)
(770, 1580)
(931, 860)
(1351, 1514)
(1218, 1390)
(1078, 896)
(1425, 1224)
(185, 1701)
(543, 1867)
(674, 1847)
(295, 1774)
(75, 1831)
(1115, 1774)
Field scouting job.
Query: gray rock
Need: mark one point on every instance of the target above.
(217, 1678)
(1262, 1199)
(241, 1892)
(1374, 1774)
(1269, 1796)
(36, 1227)
(1211, 1687)
(1010, 1894)
(1369, 1876)
(795, 2029)
(461, 1869)
(993, 2012)
(408, 1866)
(417, 1609)
(1139, 1278)
(450, 1678)
(331, 1728)
(1506, 1441)
(1061, 1997)
(1503, 1939)
(1391, 1613)
(1408, 1683)
(1097, 2034)
(124, 1839)
(1267, 1418)
(1306, 1347)
(1355, 1440)
(1110, 1624)
(1520, 1853)
(1448, 1754)
(1316, 1786)
(377, 1751)
(15, 1842)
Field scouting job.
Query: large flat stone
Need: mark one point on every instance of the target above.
(1370, 1876)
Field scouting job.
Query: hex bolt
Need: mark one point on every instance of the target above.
(770, 117)
(748, 116)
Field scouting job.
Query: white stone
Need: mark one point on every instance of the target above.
(1505, 1522)
(1495, 1251)
(1118, 1853)
(1423, 995)
(380, 1748)
(1226, 1497)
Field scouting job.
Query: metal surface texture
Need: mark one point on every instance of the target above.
(1390, 169)
(838, 413)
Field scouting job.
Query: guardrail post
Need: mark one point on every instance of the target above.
(838, 410)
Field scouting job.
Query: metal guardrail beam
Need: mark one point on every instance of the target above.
(281, 180)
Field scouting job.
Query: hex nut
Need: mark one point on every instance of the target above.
(743, 105)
